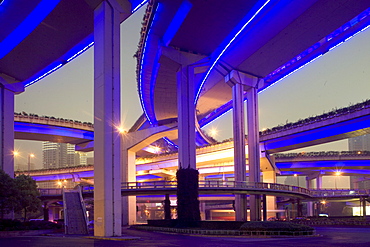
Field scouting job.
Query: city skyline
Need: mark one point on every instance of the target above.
(321, 86)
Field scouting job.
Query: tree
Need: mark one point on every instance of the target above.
(8, 194)
(27, 199)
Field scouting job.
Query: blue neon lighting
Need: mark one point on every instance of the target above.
(176, 22)
(226, 47)
(170, 142)
(27, 26)
(139, 6)
(80, 52)
(44, 75)
(361, 17)
(59, 65)
(2, 1)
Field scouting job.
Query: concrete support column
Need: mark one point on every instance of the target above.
(319, 182)
(363, 207)
(239, 148)
(253, 150)
(264, 203)
(270, 177)
(107, 154)
(310, 209)
(308, 183)
(186, 117)
(7, 92)
(240, 83)
(128, 175)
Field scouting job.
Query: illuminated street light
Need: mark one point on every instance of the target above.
(213, 132)
(121, 130)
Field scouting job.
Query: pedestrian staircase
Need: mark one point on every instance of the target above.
(75, 219)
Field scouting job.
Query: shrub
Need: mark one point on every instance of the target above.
(273, 226)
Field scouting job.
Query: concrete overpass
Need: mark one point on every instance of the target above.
(176, 34)
(336, 125)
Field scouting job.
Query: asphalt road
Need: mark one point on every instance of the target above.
(329, 236)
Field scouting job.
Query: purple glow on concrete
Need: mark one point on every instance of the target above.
(43, 130)
(146, 177)
(144, 104)
(41, 11)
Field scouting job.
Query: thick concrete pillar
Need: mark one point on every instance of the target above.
(107, 154)
(319, 182)
(240, 83)
(270, 177)
(253, 151)
(186, 117)
(363, 207)
(7, 92)
(128, 175)
(239, 144)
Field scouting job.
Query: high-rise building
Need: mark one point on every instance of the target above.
(58, 155)
(359, 143)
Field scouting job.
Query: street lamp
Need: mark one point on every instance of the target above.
(29, 162)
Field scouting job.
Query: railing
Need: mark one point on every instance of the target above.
(227, 185)
(340, 192)
(217, 184)
(50, 192)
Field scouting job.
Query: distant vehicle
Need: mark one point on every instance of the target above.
(323, 215)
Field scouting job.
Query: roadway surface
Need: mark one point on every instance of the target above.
(329, 236)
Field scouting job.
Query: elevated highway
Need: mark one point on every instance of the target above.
(164, 166)
(336, 125)
(265, 39)
(45, 128)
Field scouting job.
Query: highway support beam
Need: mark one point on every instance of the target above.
(132, 142)
(240, 83)
(7, 92)
(107, 154)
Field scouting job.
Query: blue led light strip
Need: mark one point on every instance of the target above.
(329, 37)
(226, 47)
(60, 65)
(139, 6)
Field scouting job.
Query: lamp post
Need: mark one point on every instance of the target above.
(29, 162)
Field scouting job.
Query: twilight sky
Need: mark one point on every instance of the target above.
(338, 79)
